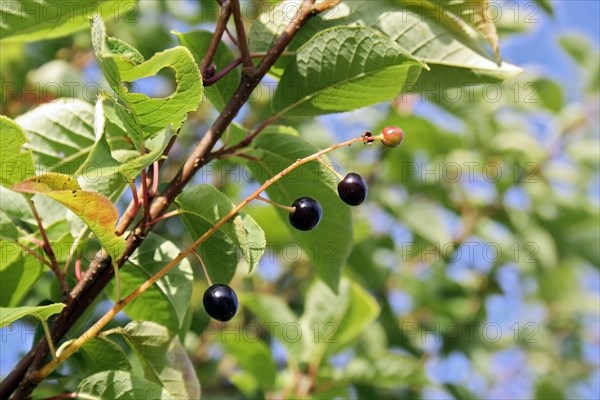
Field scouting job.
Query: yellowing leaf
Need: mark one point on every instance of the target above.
(96, 211)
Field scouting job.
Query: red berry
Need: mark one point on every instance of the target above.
(392, 136)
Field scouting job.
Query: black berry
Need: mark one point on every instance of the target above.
(220, 302)
(307, 214)
(353, 189)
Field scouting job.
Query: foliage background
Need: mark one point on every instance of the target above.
(534, 311)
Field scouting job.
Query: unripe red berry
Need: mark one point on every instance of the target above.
(392, 136)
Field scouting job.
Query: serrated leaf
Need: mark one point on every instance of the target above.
(329, 244)
(221, 91)
(421, 33)
(17, 161)
(98, 213)
(145, 116)
(255, 357)
(168, 300)
(61, 133)
(42, 313)
(341, 69)
(202, 207)
(164, 360)
(122, 385)
(101, 354)
(30, 20)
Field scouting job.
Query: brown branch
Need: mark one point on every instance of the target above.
(100, 271)
(241, 37)
(216, 38)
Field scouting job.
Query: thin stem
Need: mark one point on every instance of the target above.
(49, 251)
(145, 197)
(286, 208)
(195, 252)
(216, 37)
(241, 37)
(134, 206)
(155, 179)
(248, 139)
(48, 338)
(330, 167)
(34, 254)
(94, 330)
(164, 216)
(73, 248)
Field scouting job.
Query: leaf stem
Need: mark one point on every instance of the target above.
(94, 330)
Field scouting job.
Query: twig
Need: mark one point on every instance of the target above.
(241, 37)
(247, 140)
(49, 251)
(217, 35)
(34, 254)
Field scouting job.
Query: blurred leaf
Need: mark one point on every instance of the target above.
(168, 300)
(329, 73)
(120, 385)
(255, 357)
(202, 206)
(17, 162)
(30, 20)
(164, 360)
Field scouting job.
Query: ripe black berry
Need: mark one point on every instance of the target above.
(220, 302)
(307, 214)
(353, 189)
(392, 136)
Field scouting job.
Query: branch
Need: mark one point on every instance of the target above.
(216, 38)
(100, 270)
(241, 37)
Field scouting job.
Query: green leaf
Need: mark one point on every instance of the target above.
(275, 313)
(168, 300)
(329, 244)
(120, 385)
(19, 270)
(221, 91)
(254, 356)
(30, 20)
(42, 313)
(98, 213)
(446, 48)
(341, 69)
(101, 354)
(17, 161)
(164, 360)
(202, 207)
(384, 371)
(61, 134)
(330, 322)
(145, 116)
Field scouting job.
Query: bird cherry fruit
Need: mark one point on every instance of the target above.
(353, 189)
(306, 215)
(392, 136)
(220, 302)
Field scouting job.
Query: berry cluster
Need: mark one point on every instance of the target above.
(220, 301)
